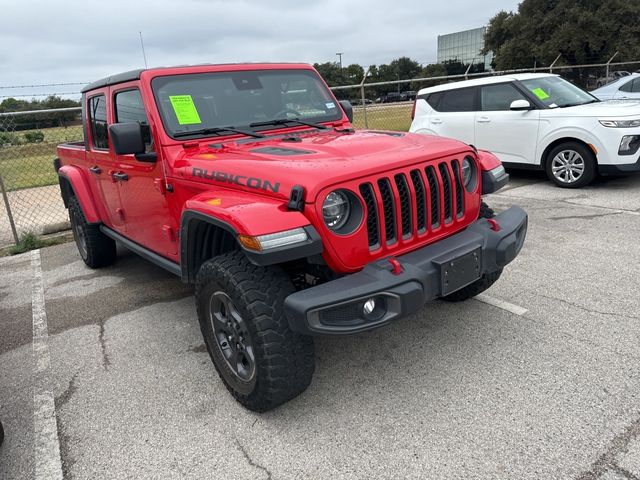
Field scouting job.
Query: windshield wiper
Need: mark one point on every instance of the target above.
(579, 103)
(214, 130)
(284, 121)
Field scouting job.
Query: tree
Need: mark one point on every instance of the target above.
(589, 31)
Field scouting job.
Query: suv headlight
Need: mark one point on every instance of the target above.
(342, 212)
(336, 209)
(466, 171)
(620, 123)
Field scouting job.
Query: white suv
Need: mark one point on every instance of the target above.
(538, 121)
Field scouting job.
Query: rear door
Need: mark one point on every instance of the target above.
(511, 135)
(100, 160)
(453, 114)
(142, 183)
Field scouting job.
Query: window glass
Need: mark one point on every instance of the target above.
(636, 86)
(129, 108)
(434, 99)
(98, 122)
(498, 97)
(214, 100)
(459, 100)
(627, 86)
(556, 92)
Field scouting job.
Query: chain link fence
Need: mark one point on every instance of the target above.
(30, 197)
(388, 105)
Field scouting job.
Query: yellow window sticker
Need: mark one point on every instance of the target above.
(540, 93)
(184, 109)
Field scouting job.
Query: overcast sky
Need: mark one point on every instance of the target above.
(57, 41)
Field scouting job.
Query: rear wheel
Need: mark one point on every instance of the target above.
(571, 165)
(96, 249)
(484, 282)
(241, 312)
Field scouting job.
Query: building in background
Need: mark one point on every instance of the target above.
(464, 47)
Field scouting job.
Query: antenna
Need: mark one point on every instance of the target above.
(144, 55)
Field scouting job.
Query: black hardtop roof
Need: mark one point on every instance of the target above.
(135, 74)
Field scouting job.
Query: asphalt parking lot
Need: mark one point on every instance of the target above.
(540, 379)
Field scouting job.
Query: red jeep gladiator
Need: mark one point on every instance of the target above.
(250, 182)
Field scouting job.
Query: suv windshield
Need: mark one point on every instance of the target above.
(556, 92)
(203, 102)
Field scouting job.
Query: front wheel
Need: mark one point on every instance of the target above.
(571, 165)
(241, 312)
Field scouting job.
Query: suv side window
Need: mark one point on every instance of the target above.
(499, 97)
(627, 87)
(98, 122)
(130, 108)
(434, 99)
(459, 100)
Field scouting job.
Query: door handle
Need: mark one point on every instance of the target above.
(484, 119)
(120, 176)
(436, 121)
(95, 170)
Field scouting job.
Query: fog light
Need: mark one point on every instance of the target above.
(629, 145)
(369, 306)
(374, 309)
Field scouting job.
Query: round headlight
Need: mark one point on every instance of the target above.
(336, 209)
(467, 172)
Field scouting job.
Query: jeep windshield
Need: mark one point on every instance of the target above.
(556, 92)
(252, 100)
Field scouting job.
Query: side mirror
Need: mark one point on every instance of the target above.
(520, 105)
(348, 109)
(127, 138)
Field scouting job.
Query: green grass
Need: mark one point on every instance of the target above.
(392, 117)
(30, 241)
(31, 164)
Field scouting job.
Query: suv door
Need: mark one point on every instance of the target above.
(142, 183)
(511, 135)
(453, 113)
(100, 161)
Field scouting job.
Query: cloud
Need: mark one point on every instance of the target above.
(80, 41)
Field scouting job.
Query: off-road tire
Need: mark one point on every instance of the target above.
(97, 250)
(284, 360)
(588, 157)
(486, 280)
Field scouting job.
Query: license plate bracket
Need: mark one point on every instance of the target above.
(459, 271)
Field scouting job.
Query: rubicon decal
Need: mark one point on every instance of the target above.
(243, 180)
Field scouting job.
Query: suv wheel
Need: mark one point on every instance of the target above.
(96, 249)
(240, 308)
(571, 165)
(483, 282)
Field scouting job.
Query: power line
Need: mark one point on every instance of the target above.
(43, 85)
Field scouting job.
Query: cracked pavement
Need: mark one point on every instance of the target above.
(456, 391)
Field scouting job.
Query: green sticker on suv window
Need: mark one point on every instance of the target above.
(184, 109)
(540, 93)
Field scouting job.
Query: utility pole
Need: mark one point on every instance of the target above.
(144, 55)
(339, 54)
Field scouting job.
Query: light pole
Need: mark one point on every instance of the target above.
(339, 54)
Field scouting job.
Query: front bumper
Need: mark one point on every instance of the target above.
(336, 307)
(619, 169)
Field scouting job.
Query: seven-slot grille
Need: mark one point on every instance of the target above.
(438, 194)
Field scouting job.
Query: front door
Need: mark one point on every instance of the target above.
(142, 182)
(511, 135)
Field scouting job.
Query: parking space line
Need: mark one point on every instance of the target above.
(46, 442)
(509, 307)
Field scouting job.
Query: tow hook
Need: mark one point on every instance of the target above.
(495, 226)
(396, 268)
